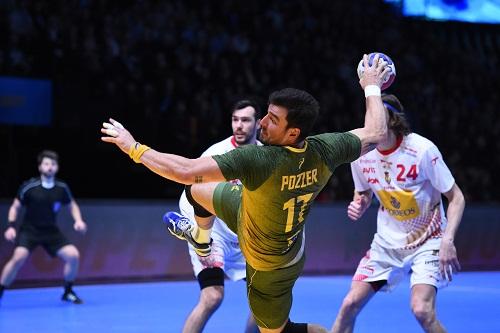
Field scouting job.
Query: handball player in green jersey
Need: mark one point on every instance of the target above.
(279, 183)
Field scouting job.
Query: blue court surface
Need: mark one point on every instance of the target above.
(470, 304)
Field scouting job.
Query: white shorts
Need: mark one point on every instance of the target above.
(226, 253)
(392, 265)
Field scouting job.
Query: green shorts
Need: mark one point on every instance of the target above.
(226, 201)
(269, 292)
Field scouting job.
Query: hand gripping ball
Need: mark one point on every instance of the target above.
(391, 75)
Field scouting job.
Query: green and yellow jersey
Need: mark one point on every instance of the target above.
(279, 185)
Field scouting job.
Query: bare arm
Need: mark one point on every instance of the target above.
(448, 260)
(75, 211)
(79, 224)
(10, 233)
(13, 211)
(174, 167)
(375, 126)
(182, 170)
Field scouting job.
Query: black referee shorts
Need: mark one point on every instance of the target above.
(50, 238)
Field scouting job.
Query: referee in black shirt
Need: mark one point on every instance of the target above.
(43, 198)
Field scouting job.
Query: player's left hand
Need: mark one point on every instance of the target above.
(80, 226)
(448, 260)
(118, 135)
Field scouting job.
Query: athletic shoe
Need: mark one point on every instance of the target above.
(181, 227)
(70, 296)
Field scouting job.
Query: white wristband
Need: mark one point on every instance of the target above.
(372, 90)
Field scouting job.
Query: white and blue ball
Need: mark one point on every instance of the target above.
(391, 75)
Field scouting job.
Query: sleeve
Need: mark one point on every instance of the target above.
(360, 183)
(436, 170)
(66, 194)
(250, 164)
(338, 148)
(213, 150)
(21, 193)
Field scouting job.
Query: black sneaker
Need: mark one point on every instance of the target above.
(70, 296)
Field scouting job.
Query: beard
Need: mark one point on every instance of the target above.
(246, 140)
(263, 139)
(48, 174)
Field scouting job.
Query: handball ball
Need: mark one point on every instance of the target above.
(391, 75)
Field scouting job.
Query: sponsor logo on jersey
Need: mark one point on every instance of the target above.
(400, 205)
(386, 164)
(367, 161)
(434, 263)
(301, 162)
(369, 170)
(373, 181)
(387, 177)
(395, 203)
(56, 206)
(410, 151)
(301, 180)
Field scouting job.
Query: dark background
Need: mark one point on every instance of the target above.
(169, 71)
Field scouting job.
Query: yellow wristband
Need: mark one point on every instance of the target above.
(136, 151)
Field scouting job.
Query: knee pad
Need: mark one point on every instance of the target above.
(291, 327)
(198, 209)
(211, 277)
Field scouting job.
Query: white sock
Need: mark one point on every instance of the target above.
(200, 235)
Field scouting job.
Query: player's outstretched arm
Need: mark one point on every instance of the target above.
(174, 167)
(448, 259)
(375, 126)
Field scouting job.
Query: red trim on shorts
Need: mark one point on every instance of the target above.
(359, 277)
(399, 139)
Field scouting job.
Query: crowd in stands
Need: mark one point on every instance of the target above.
(169, 70)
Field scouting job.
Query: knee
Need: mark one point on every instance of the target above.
(423, 311)
(72, 255)
(18, 260)
(212, 297)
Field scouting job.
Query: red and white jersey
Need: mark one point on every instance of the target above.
(408, 181)
(218, 148)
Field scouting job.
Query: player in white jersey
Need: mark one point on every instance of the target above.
(407, 174)
(226, 256)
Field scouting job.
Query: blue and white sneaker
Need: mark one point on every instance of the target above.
(181, 227)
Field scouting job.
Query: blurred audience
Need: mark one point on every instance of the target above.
(169, 69)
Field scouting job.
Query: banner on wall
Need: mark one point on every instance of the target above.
(25, 101)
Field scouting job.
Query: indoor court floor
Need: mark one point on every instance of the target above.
(470, 304)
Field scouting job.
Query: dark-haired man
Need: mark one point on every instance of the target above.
(279, 183)
(225, 257)
(407, 174)
(43, 197)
